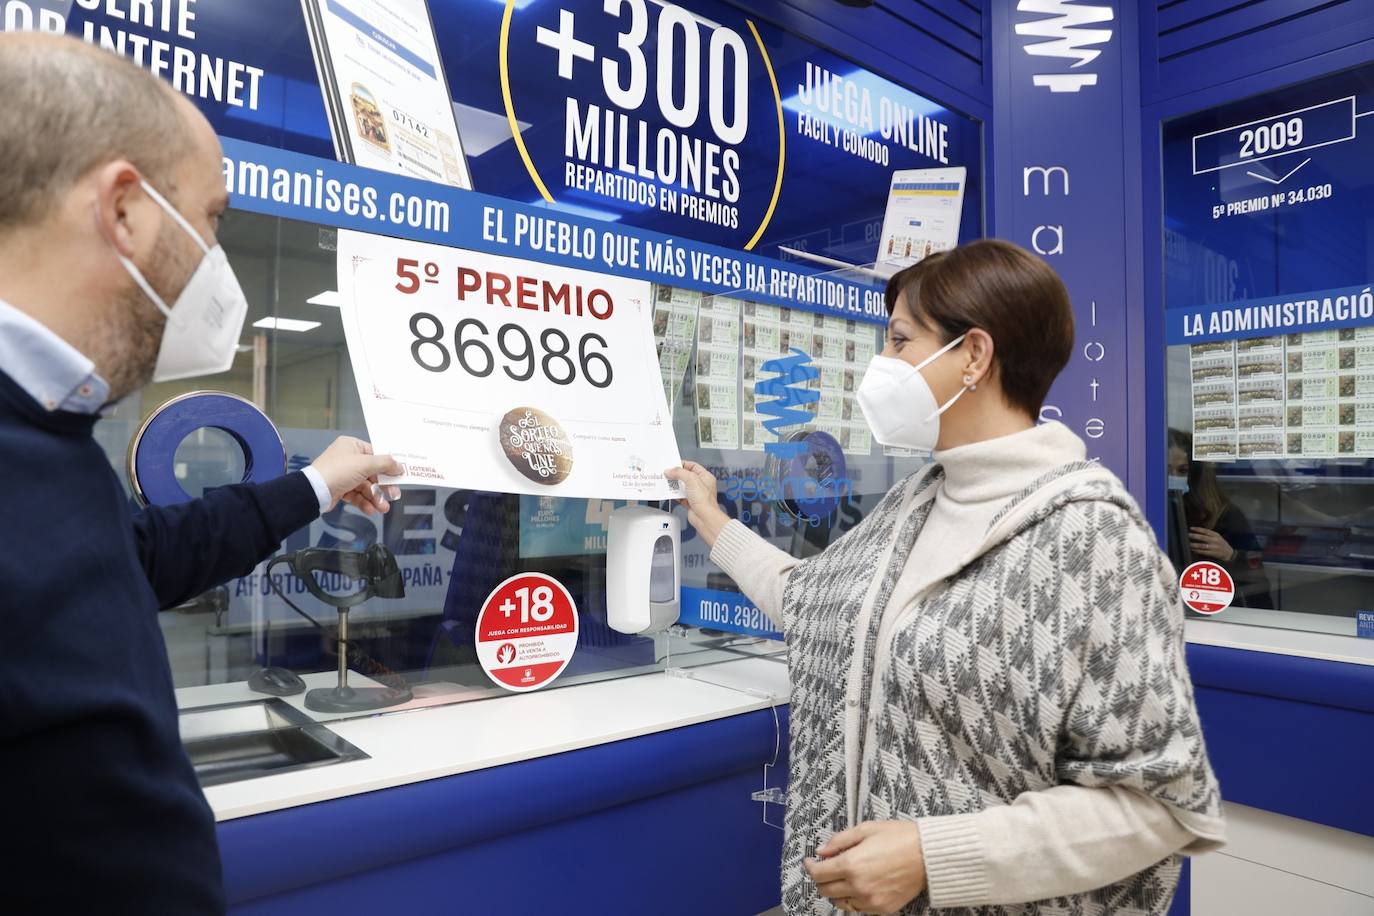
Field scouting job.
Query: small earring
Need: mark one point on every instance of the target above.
(968, 380)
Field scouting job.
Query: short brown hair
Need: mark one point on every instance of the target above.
(1006, 291)
(70, 107)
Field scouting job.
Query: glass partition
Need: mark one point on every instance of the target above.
(1268, 256)
(455, 546)
(764, 396)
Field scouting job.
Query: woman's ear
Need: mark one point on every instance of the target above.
(979, 349)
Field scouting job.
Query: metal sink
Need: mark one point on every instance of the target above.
(237, 741)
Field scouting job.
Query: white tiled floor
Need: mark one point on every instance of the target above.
(1274, 866)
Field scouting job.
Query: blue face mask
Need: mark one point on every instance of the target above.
(1178, 483)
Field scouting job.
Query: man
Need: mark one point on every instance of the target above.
(110, 194)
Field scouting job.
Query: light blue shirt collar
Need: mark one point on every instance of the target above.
(52, 371)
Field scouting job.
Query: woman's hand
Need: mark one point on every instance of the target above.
(703, 512)
(1207, 543)
(876, 867)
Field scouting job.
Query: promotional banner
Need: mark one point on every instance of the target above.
(1266, 205)
(1268, 271)
(265, 180)
(690, 119)
(494, 374)
(1062, 179)
(693, 119)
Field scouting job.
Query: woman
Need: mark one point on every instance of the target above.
(1217, 529)
(989, 700)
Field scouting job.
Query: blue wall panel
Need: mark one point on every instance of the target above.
(695, 851)
(1084, 221)
(677, 801)
(1289, 735)
(1193, 44)
(1183, 904)
(1298, 759)
(939, 48)
(1286, 677)
(964, 13)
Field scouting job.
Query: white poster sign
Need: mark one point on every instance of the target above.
(924, 207)
(491, 373)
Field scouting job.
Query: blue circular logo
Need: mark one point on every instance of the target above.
(152, 453)
(812, 480)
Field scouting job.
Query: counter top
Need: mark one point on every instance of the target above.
(437, 735)
(1254, 636)
(419, 743)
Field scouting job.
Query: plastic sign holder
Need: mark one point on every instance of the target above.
(768, 794)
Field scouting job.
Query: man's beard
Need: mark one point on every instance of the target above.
(134, 325)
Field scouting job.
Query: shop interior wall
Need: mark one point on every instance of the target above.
(940, 48)
(1286, 735)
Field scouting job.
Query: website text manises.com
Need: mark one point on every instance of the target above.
(315, 191)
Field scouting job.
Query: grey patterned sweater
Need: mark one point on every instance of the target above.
(1055, 658)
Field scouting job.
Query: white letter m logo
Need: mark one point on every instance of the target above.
(1065, 36)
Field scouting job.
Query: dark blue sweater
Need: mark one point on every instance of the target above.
(102, 812)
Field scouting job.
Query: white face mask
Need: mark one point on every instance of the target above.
(898, 404)
(203, 325)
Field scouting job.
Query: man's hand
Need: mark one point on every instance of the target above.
(876, 867)
(350, 471)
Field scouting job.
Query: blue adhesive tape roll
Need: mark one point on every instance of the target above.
(152, 453)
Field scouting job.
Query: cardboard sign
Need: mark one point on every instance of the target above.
(490, 373)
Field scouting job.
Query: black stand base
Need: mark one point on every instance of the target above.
(355, 699)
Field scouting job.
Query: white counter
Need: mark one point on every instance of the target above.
(426, 742)
(1254, 637)
(434, 736)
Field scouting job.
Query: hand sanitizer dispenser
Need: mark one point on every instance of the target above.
(643, 569)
